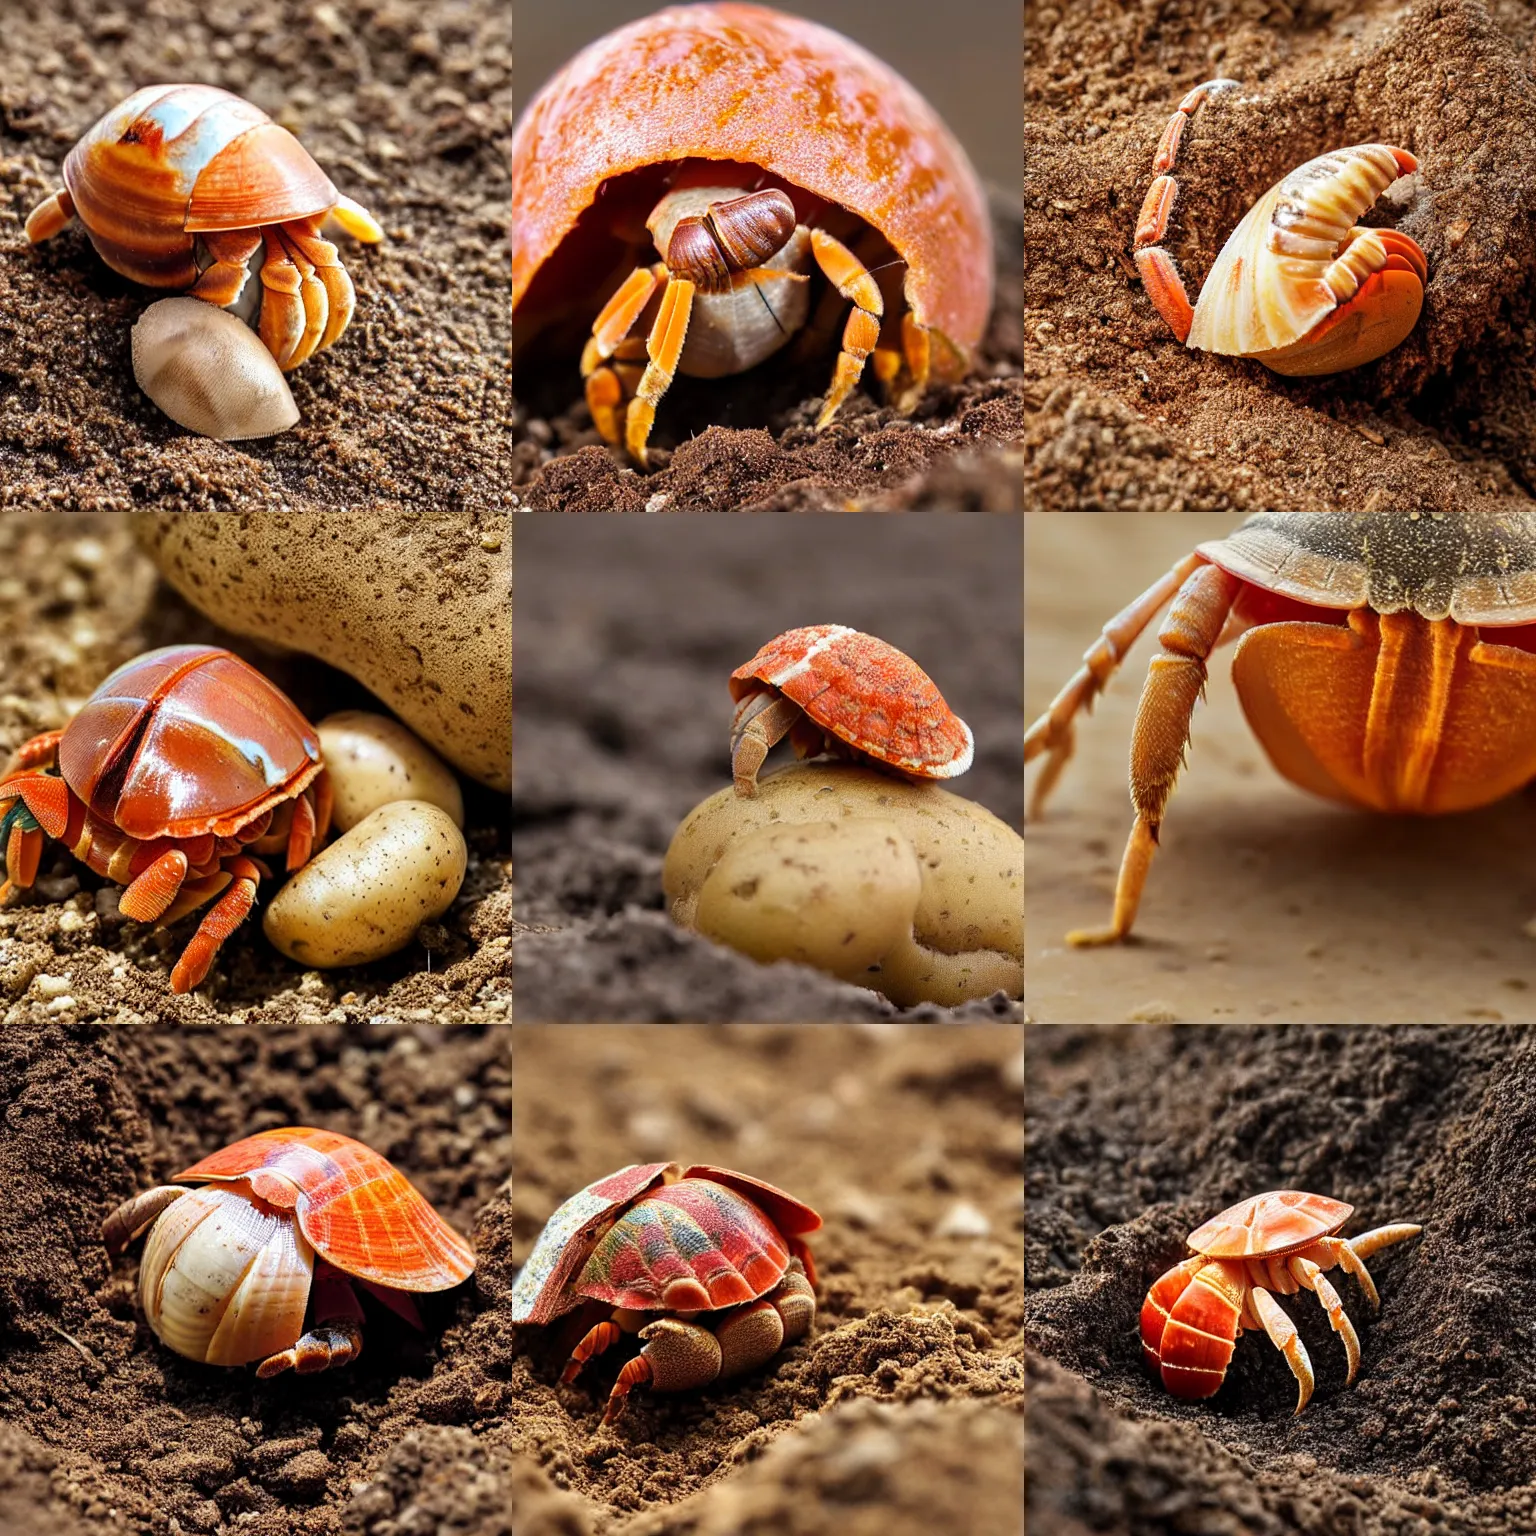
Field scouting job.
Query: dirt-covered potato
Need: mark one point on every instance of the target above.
(365, 895)
(373, 760)
(904, 888)
(417, 608)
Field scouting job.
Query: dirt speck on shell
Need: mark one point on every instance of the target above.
(957, 452)
(78, 598)
(902, 1407)
(1118, 414)
(1135, 1136)
(407, 108)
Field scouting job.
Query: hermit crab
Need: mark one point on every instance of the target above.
(1384, 659)
(278, 1221)
(750, 150)
(715, 1259)
(187, 186)
(1299, 286)
(1279, 1242)
(832, 689)
(183, 764)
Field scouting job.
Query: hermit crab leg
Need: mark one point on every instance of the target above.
(1309, 1275)
(232, 908)
(1175, 680)
(1350, 1255)
(762, 720)
(1159, 276)
(664, 347)
(597, 1339)
(852, 280)
(221, 283)
(1055, 730)
(608, 389)
(1282, 1334)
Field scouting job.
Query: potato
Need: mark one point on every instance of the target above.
(904, 888)
(372, 760)
(367, 894)
(417, 608)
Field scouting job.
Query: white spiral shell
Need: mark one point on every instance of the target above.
(1280, 272)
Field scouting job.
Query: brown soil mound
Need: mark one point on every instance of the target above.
(901, 1407)
(407, 107)
(1119, 414)
(1136, 1136)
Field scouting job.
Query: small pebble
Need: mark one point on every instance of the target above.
(963, 1219)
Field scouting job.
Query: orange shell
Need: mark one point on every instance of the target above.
(356, 1209)
(174, 160)
(743, 83)
(1265, 1226)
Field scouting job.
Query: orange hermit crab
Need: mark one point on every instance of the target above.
(707, 1266)
(1299, 286)
(1279, 1242)
(832, 689)
(1384, 659)
(279, 1229)
(747, 147)
(183, 186)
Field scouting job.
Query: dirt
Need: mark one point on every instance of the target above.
(900, 1410)
(77, 599)
(1135, 1136)
(1264, 903)
(104, 1430)
(407, 107)
(1118, 413)
(624, 636)
(747, 443)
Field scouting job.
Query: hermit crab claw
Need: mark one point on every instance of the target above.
(1299, 286)
(1303, 289)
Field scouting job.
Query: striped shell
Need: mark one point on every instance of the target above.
(187, 740)
(865, 693)
(175, 160)
(1266, 289)
(353, 1207)
(657, 1236)
(1275, 1222)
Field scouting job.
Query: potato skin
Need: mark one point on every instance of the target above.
(366, 895)
(417, 608)
(964, 937)
(373, 760)
(836, 895)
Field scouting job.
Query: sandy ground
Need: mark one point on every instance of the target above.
(625, 632)
(77, 598)
(104, 1430)
(1120, 415)
(899, 1414)
(407, 107)
(747, 443)
(1136, 1136)
(1264, 902)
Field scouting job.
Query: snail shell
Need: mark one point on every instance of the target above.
(173, 161)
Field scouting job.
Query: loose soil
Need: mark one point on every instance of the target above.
(1135, 1136)
(102, 1429)
(625, 634)
(1119, 414)
(1264, 902)
(78, 598)
(406, 105)
(898, 1416)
